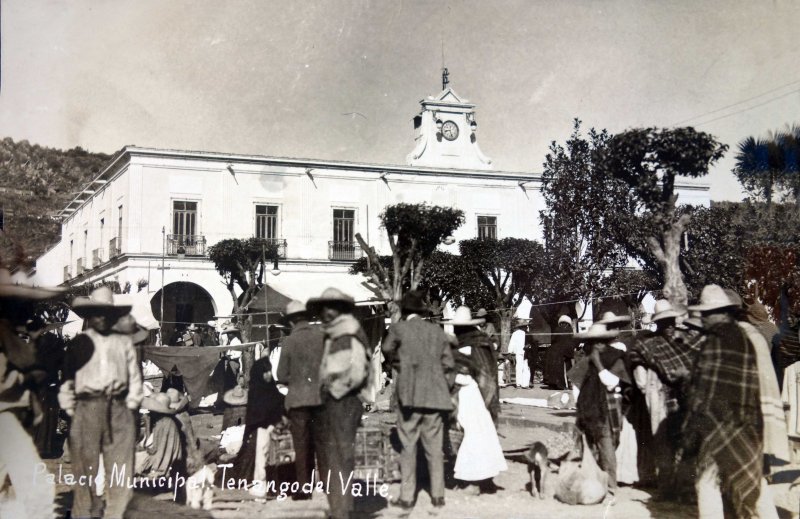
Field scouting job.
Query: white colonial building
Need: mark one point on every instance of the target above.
(154, 207)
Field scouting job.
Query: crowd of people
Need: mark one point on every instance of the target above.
(690, 407)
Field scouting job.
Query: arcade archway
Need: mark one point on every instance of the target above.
(184, 303)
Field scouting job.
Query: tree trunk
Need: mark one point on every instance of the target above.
(506, 319)
(394, 311)
(669, 256)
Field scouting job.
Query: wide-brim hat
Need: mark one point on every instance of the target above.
(481, 312)
(565, 319)
(664, 310)
(713, 297)
(330, 295)
(160, 403)
(412, 303)
(463, 317)
(191, 328)
(598, 332)
(177, 400)
(612, 318)
(236, 396)
(694, 322)
(294, 308)
(100, 302)
(9, 289)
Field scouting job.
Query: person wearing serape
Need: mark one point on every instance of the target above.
(484, 358)
(661, 367)
(265, 408)
(599, 409)
(102, 391)
(776, 436)
(723, 427)
(298, 369)
(635, 419)
(344, 375)
(420, 353)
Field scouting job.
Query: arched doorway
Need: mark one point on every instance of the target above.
(184, 303)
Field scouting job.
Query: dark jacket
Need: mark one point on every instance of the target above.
(420, 352)
(298, 367)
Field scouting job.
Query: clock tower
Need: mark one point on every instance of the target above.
(445, 132)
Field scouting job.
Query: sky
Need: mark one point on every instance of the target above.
(279, 78)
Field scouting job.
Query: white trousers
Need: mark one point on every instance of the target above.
(523, 371)
(35, 495)
(262, 449)
(709, 497)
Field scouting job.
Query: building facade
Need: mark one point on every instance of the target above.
(151, 214)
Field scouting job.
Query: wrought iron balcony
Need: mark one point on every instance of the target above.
(279, 243)
(344, 251)
(113, 248)
(186, 245)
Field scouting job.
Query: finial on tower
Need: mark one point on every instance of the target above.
(445, 78)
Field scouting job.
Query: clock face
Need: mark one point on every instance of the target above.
(450, 130)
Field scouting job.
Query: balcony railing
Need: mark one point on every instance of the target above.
(80, 266)
(113, 248)
(279, 243)
(97, 257)
(186, 245)
(67, 273)
(344, 251)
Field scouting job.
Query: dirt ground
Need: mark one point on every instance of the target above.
(512, 501)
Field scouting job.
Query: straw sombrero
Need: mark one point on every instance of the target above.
(463, 317)
(161, 403)
(664, 310)
(292, 309)
(713, 297)
(598, 332)
(10, 289)
(330, 295)
(612, 318)
(100, 302)
(236, 396)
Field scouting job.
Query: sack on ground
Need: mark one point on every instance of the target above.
(581, 482)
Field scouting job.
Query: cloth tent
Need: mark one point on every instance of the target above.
(302, 286)
(195, 364)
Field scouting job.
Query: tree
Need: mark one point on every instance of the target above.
(582, 220)
(414, 232)
(759, 166)
(509, 269)
(241, 264)
(650, 161)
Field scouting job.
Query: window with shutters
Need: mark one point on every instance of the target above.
(184, 218)
(344, 225)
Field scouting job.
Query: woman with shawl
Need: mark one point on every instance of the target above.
(480, 456)
(264, 411)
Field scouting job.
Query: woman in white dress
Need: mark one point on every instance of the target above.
(480, 456)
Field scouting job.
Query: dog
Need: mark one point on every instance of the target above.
(200, 487)
(538, 467)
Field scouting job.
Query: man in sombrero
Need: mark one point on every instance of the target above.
(102, 391)
(18, 378)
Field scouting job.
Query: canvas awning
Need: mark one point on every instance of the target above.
(305, 285)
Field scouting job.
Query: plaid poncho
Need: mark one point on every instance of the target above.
(724, 423)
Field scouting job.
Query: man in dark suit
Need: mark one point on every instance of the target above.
(298, 369)
(420, 353)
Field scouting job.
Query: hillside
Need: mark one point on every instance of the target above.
(35, 182)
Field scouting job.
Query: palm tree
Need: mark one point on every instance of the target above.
(790, 145)
(760, 166)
